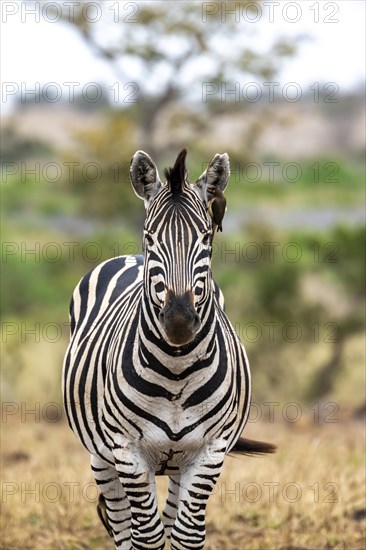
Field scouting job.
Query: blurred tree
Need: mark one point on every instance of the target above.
(163, 52)
(80, 101)
(286, 311)
(15, 147)
(101, 161)
(348, 274)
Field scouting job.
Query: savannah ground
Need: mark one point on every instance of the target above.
(309, 495)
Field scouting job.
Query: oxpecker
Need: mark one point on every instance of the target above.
(216, 207)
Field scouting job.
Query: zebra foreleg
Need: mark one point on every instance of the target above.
(196, 484)
(171, 505)
(138, 480)
(102, 513)
(113, 507)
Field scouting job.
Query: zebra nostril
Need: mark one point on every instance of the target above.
(161, 317)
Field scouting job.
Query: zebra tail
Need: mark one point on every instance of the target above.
(249, 447)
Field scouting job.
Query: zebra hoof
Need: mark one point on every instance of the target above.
(102, 513)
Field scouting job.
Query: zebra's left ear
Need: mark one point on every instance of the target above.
(216, 175)
(144, 177)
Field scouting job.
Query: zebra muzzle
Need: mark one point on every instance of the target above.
(179, 318)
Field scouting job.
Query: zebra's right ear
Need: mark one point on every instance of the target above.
(144, 177)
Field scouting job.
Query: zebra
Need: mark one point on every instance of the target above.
(155, 379)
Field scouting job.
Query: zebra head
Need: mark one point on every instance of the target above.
(177, 242)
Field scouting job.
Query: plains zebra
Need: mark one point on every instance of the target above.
(155, 379)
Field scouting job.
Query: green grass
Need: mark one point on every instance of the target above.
(317, 182)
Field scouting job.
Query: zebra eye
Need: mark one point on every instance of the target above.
(159, 287)
(207, 239)
(149, 239)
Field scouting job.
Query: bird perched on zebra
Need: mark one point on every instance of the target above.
(155, 379)
(216, 208)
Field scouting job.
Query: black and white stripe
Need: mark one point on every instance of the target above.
(141, 404)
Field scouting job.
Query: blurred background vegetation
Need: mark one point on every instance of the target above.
(290, 259)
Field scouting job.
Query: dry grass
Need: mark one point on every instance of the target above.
(320, 466)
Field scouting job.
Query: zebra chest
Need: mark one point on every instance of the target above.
(163, 406)
(163, 416)
(166, 406)
(165, 433)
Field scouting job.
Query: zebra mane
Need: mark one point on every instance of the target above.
(176, 176)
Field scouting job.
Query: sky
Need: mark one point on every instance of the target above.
(41, 51)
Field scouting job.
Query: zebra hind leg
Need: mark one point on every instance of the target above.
(171, 505)
(113, 507)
